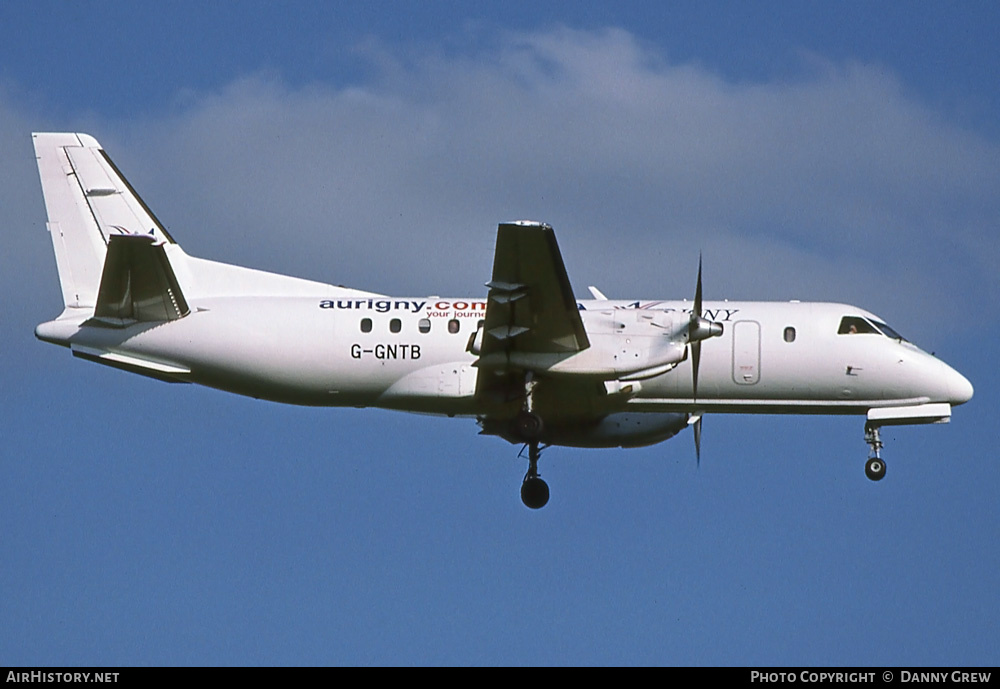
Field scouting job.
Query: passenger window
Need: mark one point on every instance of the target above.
(789, 334)
(395, 325)
(366, 325)
(424, 325)
(454, 326)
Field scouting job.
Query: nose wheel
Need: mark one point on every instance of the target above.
(875, 466)
(875, 469)
(534, 491)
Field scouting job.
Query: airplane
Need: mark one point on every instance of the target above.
(529, 362)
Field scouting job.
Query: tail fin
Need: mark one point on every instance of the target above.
(88, 201)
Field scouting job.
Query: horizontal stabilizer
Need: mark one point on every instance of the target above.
(138, 284)
(169, 373)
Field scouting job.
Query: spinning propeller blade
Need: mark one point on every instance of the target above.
(696, 344)
(698, 330)
(697, 441)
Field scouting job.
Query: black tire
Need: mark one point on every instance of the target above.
(528, 426)
(875, 469)
(534, 493)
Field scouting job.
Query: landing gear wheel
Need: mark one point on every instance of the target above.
(528, 425)
(875, 469)
(534, 493)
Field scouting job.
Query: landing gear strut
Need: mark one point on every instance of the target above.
(528, 427)
(528, 424)
(534, 491)
(875, 466)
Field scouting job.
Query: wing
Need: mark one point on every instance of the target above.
(532, 318)
(531, 307)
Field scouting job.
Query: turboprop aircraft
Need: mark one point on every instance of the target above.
(529, 362)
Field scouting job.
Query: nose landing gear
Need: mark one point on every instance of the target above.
(875, 469)
(875, 466)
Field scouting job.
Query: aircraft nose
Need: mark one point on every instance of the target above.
(959, 387)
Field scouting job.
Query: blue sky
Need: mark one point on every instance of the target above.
(845, 153)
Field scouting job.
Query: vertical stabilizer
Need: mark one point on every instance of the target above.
(87, 201)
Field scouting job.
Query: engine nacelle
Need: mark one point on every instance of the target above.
(609, 357)
(624, 429)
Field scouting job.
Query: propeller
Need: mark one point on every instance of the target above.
(695, 420)
(698, 329)
(692, 330)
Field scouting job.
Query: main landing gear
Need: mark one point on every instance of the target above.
(534, 491)
(875, 466)
(528, 426)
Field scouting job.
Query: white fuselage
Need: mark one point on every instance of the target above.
(414, 354)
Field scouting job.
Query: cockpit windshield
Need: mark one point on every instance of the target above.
(856, 325)
(889, 331)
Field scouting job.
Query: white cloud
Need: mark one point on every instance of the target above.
(835, 185)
